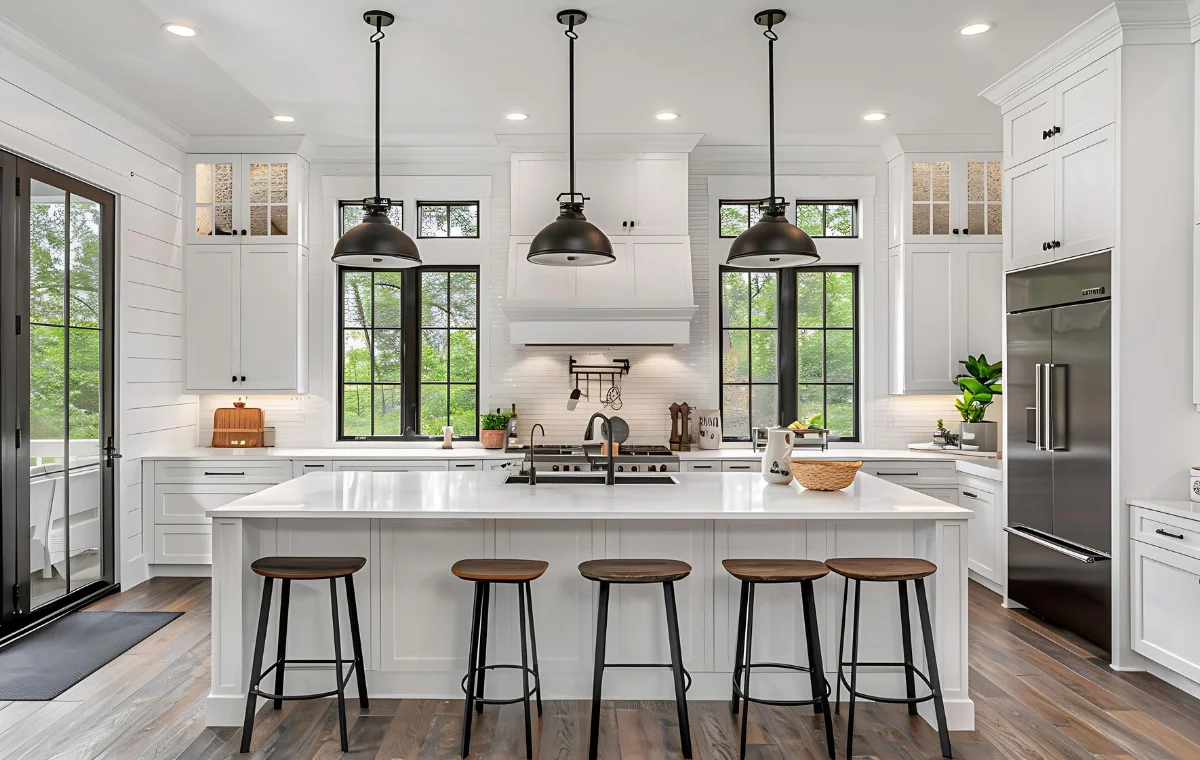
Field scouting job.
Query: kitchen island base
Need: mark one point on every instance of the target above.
(415, 615)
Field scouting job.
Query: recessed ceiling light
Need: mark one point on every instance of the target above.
(979, 27)
(666, 116)
(180, 30)
(516, 116)
(875, 116)
(283, 118)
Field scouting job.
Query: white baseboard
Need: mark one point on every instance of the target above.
(990, 585)
(180, 571)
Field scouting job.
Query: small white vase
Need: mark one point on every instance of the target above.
(777, 455)
(710, 428)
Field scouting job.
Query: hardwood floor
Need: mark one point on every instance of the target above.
(1038, 694)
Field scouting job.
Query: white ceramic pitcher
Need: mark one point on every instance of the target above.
(777, 455)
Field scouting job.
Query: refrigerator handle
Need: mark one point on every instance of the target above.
(1037, 408)
(1088, 556)
(1048, 408)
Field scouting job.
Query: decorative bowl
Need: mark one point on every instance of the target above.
(824, 476)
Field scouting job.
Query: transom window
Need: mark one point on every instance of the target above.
(447, 219)
(738, 216)
(828, 219)
(769, 379)
(352, 212)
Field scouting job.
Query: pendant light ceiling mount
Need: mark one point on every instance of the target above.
(376, 243)
(773, 242)
(571, 240)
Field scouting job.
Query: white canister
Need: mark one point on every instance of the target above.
(1196, 484)
(778, 455)
(710, 428)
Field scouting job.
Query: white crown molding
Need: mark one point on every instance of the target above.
(298, 144)
(898, 145)
(20, 42)
(603, 142)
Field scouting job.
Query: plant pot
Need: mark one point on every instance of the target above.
(984, 435)
(492, 439)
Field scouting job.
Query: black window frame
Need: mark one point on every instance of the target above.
(749, 204)
(854, 223)
(343, 205)
(447, 205)
(787, 361)
(410, 352)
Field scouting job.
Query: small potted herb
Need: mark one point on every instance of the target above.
(980, 387)
(493, 429)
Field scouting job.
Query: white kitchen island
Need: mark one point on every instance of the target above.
(415, 616)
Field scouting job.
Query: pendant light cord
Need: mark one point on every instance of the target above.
(376, 38)
(771, 38)
(572, 35)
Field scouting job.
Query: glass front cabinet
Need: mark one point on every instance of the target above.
(946, 198)
(246, 198)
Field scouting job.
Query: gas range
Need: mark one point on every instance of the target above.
(587, 458)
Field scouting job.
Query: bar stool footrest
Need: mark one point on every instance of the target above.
(350, 665)
(737, 689)
(667, 666)
(535, 689)
(888, 700)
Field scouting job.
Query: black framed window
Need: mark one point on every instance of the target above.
(447, 219)
(828, 219)
(737, 216)
(408, 351)
(769, 377)
(351, 213)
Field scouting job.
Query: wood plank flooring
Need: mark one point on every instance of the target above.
(1039, 693)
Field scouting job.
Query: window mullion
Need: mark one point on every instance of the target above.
(788, 361)
(410, 351)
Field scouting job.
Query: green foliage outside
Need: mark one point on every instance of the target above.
(455, 221)
(980, 386)
(817, 219)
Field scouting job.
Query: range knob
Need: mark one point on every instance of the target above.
(554, 468)
(578, 468)
(620, 468)
(651, 468)
(633, 468)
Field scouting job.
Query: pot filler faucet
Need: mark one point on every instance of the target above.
(610, 477)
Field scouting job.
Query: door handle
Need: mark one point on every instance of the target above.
(1057, 545)
(1037, 408)
(1048, 412)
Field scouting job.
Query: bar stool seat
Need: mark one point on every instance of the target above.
(634, 570)
(500, 570)
(775, 570)
(307, 568)
(881, 569)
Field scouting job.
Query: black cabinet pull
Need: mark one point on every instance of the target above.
(464, 465)
(1168, 534)
(969, 495)
(897, 474)
(1045, 134)
(1056, 244)
(1055, 131)
(242, 475)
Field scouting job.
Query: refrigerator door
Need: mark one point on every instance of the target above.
(1030, 469)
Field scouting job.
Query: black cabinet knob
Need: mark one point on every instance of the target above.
(966, 231)
(625, 224)
(243, 378)
(955, 230)
(1057, 244)
(243, 232)
(234, 378)
(1055, 131)
(632, 224)
(1045, 134)
(1045, 246)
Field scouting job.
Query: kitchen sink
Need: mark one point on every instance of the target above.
(593, 480)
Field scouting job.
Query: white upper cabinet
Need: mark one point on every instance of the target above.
(629, 195)
(250, 198)
(946, 198)
(1027, 129)
(1085, 175)
(245, 318)
(1029, 214)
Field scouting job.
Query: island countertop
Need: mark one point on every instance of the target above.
(695, 496)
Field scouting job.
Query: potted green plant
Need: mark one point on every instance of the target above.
(979, 387)
(493, 428)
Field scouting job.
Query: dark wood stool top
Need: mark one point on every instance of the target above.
(499, 570)
(307, 568)
(634, 570)
(775, 570)
(881, 568)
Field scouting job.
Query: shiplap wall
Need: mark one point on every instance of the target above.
(47, 121)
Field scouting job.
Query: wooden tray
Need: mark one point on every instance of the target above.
(237, 428)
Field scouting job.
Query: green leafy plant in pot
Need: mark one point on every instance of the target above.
(493, 428)
(979, 387)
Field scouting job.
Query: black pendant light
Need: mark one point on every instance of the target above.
(376, 243)
(571, 240)
(773, 242)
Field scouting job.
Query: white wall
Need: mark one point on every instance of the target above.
(47, 121)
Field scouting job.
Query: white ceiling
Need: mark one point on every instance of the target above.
(453, 68)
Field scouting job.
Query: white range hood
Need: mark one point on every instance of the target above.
(642, 298)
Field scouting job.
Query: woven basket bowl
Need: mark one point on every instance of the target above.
(825, 476)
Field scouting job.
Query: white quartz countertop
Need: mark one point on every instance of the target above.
(1180, 508)
(707, 496)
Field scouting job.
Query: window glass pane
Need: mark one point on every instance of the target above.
(356, 299)
(279, 182)
(204, 220)
(356, 357)
(735, 419)
(387, 355)
(810, 402)
(941, 218)
(735, 219)
(464, 222)
(464, 299)
(975, 216)
(462, 356)
(975, 180)
(839, 220)
(810, 217)
(388, 299)
(434, 295)
(47, 254)
(764, 366)
(432, 221)
(839, 356)
(463, 414)
(352, 214)
(995, 224)
(840, 400)
(204, 183)
(735, 299)
(85, 263)
(435, 355)
(279, 220)
(764, 405)
(920, 180)
(764, 298)
(387, 410)
(83, 393)
(356, 410)
(839, 299)
(810, 296)
(47, 369)
(941, 181)
(920, 222)
(810, 355)
(258, 220)
(434, 411)
(995, 181)
(735, 356)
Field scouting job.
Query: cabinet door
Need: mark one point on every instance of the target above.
(980, 214)
(1165, 590)
(981, 542)
(268, 200)
(528, 281)
(609, 183)
(929, 214)
(983, 306)
(213, 197)
(660, 196)
(929, 324)
(948, 495)
(536, 184)
(269, 317)
(1086, 190)
(210, 317)
(1029, 213)
(659, 267)
(1025, 130)
(1086, 101)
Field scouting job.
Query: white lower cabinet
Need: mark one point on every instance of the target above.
(981, 545)
(394, 465)
(705, 466)
(742, 466)
(1166, 607)
(948, 495)
(183, 544)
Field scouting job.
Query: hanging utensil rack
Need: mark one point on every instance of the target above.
(601, 374)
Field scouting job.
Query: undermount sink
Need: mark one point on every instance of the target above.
(593, 480)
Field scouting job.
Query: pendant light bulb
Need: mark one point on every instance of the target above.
(571, 240)
(772, 242)
(376, 243)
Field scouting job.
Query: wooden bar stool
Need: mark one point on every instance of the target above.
(290, 569)
(485, 572)
(664, 571)
(752, 572)
(899, 571)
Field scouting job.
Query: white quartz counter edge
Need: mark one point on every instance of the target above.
(458, 495)
(1188, 510)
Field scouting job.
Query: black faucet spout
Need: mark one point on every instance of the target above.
(532, 467)
(610, 477)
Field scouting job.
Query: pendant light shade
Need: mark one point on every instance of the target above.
(571, 240)
(772, 242)
(376, 243)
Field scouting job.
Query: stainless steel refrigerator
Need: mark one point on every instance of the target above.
(1058, 407)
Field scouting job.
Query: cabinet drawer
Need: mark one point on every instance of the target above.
(711, 466)
(223, 471)
(969, 496)
(741, 466)
(185, 504)
(183, 544)
(1168, 531)
(303, 468)
(933, 474)
(414, 465)
(471, 465)
(1165, 591)
(948, 495)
